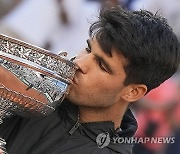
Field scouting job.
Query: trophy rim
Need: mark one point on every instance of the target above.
(37, 58)
(38, 49)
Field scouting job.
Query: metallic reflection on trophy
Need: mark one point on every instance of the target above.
(33, 81)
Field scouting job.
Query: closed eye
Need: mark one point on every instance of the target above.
(101, 66)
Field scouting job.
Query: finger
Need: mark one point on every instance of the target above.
(1, 152)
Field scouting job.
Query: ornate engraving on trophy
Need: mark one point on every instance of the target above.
(51, 62)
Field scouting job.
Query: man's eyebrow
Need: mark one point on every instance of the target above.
(105, 64)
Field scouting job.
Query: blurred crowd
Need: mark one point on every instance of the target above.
(63, 25)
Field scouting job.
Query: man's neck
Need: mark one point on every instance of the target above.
(91, 114)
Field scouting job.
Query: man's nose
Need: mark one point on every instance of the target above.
(83, 63)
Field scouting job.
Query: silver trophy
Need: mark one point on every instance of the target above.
(33, 81)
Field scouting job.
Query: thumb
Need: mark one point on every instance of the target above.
(1, 152)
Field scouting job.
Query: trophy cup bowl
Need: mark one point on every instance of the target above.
(33, 81)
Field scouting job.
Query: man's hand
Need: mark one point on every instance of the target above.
(1, 152)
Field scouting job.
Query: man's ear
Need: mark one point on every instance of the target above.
(134, 92)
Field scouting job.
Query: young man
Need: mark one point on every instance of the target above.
(127, 55)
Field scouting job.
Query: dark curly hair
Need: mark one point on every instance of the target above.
(144, 39)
